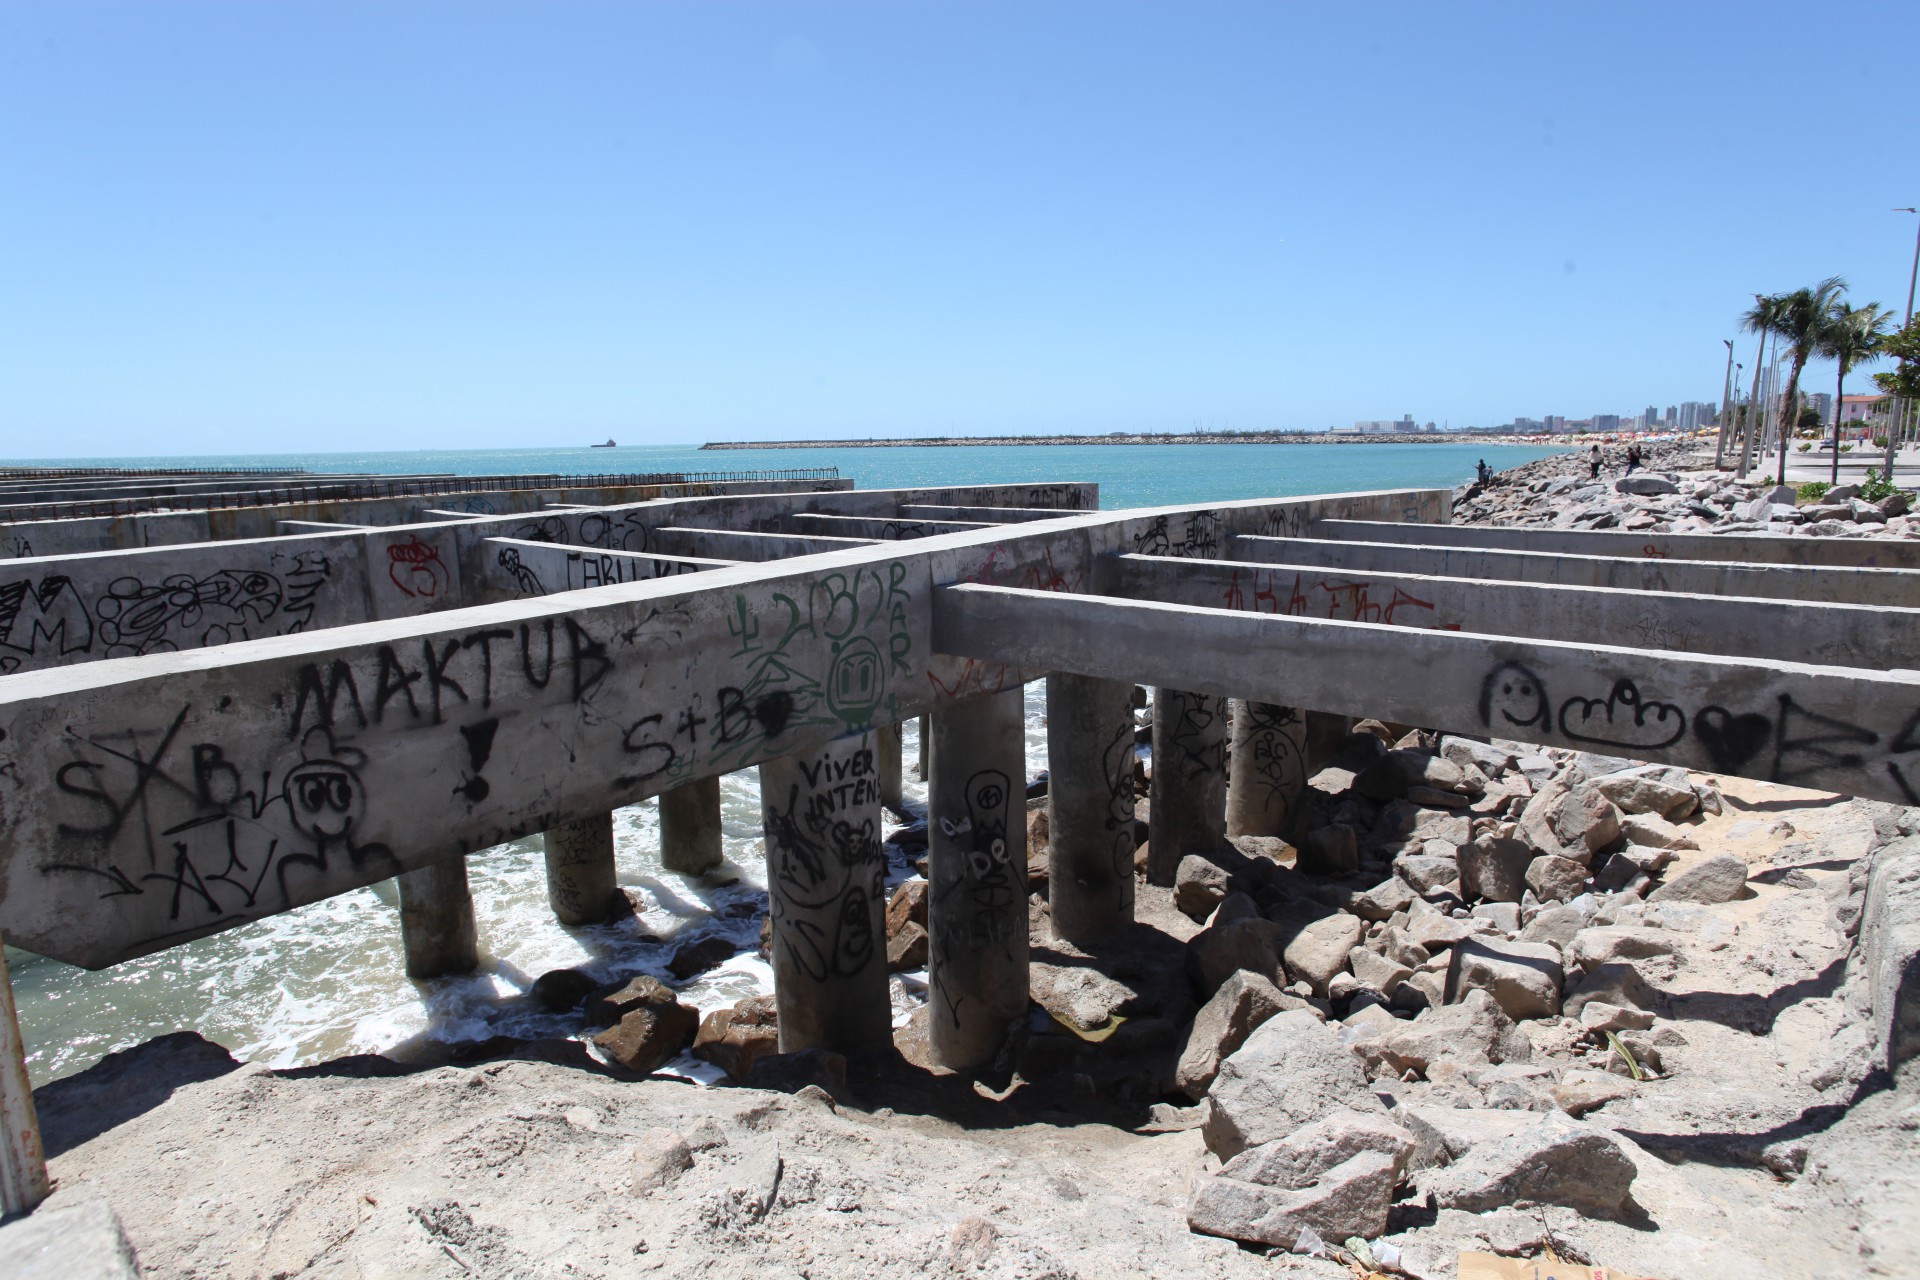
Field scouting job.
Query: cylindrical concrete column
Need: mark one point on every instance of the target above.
(887, 741)
(690, 827)
(1327, 736)
(436, 920)
(581, 887)
(1188, 791)
(977, 866)
(926, 746)
(826, 876)
(23, 1161)
(1090, 755)
(1267, 784)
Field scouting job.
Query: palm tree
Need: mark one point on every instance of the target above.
(1851, 334)
(1762, 318)
(1803, 317)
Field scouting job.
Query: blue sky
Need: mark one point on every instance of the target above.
(252, 226)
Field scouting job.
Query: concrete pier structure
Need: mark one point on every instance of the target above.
(1187, 790)
(826, 877)
(581, 886)
(690, 828)
(477, 699)
(23, 1161)
(1267, 781)
(977, 866)
(1090, 755)
(437, 931)
(887, 746)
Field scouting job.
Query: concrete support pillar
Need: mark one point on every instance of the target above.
(1327, 736)
(23, 1162)
(826, 876)
(581, 887)
(977, 865)
(1267, 784)
(887, 744)
(1188, 793)
(690, 827)
(926, 746)
(436, 920)
(1089, 805)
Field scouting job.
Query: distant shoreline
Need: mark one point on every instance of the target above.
(1276, 437)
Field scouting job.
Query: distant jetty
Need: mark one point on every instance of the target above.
(1250, 437)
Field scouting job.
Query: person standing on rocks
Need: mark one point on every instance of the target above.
(1633, 457)
(1594, 460)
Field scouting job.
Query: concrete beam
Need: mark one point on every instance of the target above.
(1749, 548)
(1837, 728)
(516, 568)
(1845, 635)
(156, 799)
(884, 530)
(738, 545)
(1897, 587)
(979, 515)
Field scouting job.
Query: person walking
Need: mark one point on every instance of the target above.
(1593, 464)
(1633, 457)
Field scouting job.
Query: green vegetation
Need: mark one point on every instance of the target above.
(1848, 335)
(1803, 447)
(1813, 490)
(1903, 346)
(1874, 488)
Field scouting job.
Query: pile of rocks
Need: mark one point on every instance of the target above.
(1673, 494)
(1461, 960)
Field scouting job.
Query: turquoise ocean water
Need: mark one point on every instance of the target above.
(326, 980)
(1128, 475)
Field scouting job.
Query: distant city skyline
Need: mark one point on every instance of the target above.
(235, 228)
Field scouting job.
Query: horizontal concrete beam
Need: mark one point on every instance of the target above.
(198, 594)
(1838, 728)
(1896, 587)
(875, 527)
(1843, 635)
(1750, 548)
(151, 800)
(519, 568)
(987, 515)
(169, 528)
(748, 546)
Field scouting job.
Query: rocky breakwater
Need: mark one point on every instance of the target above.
(1674, 493)
(1545, 997)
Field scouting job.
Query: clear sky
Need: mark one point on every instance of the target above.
(255, 226)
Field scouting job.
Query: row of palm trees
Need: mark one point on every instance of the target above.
(1809, 322)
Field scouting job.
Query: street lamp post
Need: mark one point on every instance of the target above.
(1914, 274)
(1726, 415)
